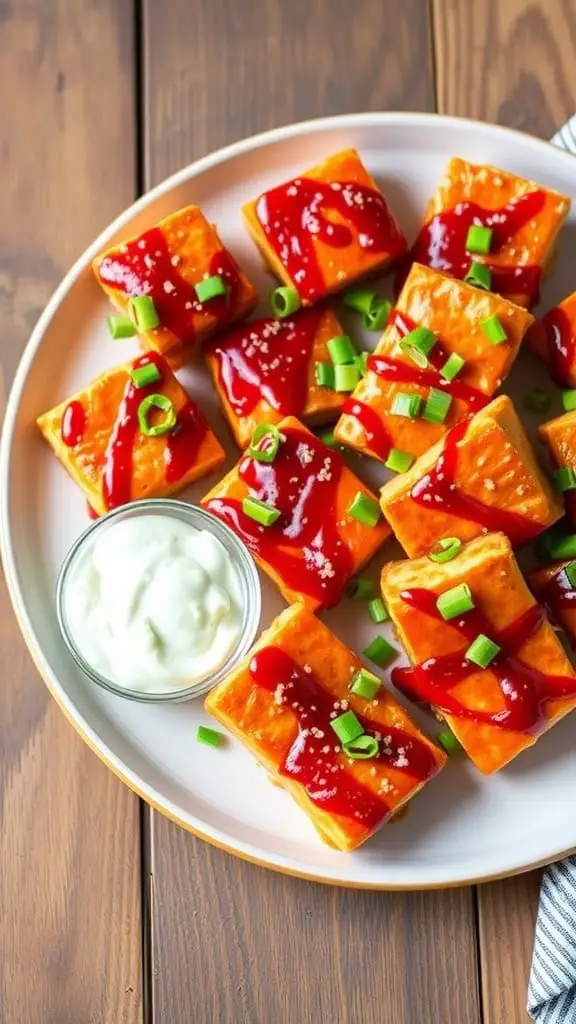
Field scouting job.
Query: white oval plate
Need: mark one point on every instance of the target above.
(463, 827)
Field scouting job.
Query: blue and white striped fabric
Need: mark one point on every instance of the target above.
(552, 987)
(566, 136)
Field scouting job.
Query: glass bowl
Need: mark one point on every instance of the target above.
(247, 574)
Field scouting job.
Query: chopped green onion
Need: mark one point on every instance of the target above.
(360, 299)
(120, 327)
(377, 610)
(570, 571)
(164, 405)
(445, 550)
(347, 727)
(324, 375)
(398, 461)
(346, 376)
(452, 366)
(479, 275)
(210, 288)
(362, 749)
(284, 301)
(406, 404)
(341, 349)
(378, 316)
(538, 400)
(144, 375)
(569, 401)
(482, 651)
(361, 589)
(456, 601)
(563, 547)
(258, 510)
(209, 736)
(478, 239)
(437, 406)
(494, 330)
(417, 344)
(380, 651)
(449, 742)
(361, 361)
(365, 684)
(565, 479)
(143, 313)
(264, 443)
(560, 546)
(364, 508)
(327, 437)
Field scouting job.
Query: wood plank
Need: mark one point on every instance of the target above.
(213, 73)
(506, 918)
(267, 948)
(510, 63)
(507, 62)
(219, 71)
(69, 844)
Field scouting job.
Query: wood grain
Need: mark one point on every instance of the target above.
(219, 71)
(507, 915)
(70, 937)
(230, 942)
(273, 949)
(506, 61)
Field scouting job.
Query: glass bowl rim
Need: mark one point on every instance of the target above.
(249, 579)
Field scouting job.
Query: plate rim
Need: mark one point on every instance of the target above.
(409, 120)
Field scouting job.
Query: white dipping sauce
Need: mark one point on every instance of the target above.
(153, 603)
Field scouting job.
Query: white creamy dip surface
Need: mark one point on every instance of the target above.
(153, 603)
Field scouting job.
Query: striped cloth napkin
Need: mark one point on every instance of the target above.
(552, 986)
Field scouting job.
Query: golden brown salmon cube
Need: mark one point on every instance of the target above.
(282, 703)
(169, 262)
(553, 338)
(463, 320)
(325, 228)
(559, 436)
(520, 221)
(482, 477)
(267, 369)
(324, 523)
(97, 436)
(496, 671)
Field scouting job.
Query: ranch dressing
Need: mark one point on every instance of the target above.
(153, 603)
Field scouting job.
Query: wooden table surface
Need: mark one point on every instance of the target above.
(109, 914)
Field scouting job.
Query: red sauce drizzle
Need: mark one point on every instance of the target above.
(268, 360)
(525, 689)
(437, 490)
(145, 266)
(559, 337)
(323, 775)
(293, 216)
(557, 595)
(182, 444)
(441, 243)
(377, 437)
(303, 546)
(73, 423)
(391, 369)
